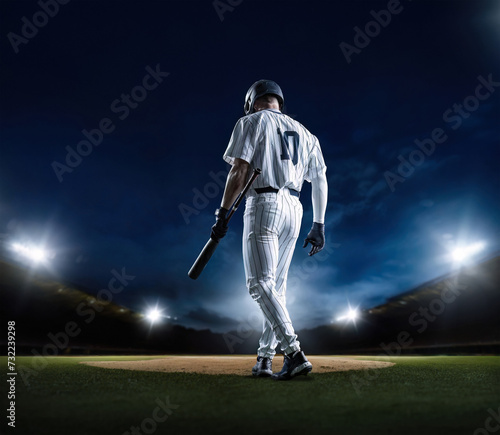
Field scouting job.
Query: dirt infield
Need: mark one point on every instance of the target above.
(234, 365)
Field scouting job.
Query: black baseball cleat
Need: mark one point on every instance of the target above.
(263, 368)
(294, 364)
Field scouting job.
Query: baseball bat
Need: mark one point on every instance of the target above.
(211, 245)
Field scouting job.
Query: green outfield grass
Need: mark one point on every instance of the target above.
(419, 395)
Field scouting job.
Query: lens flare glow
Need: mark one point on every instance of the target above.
(350, 316)
(154, 315)
(33, 253)
(463, 253)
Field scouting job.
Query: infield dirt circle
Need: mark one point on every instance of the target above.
(234, 365)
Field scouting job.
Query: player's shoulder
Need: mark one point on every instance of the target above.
(300, 127)
(269, 115)
(252, 119)
(297, 124)
(259, 116)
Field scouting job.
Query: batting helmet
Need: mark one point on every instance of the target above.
(260, 88)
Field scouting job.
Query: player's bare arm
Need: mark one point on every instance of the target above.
(235, 182)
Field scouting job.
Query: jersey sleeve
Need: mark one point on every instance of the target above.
(242, 142)
(316, 165)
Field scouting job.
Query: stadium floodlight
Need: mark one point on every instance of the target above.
(33, 253)
(350, 316)
(464, 253)
(154, 315)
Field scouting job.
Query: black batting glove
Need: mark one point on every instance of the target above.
(316, 238)
(219, 229)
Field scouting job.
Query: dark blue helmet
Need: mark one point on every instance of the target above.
(260, 88)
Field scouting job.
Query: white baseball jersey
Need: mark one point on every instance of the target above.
(287, 154)
(283, 148)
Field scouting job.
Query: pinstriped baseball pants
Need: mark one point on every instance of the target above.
(271, 228)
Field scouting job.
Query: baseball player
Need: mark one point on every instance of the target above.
(288, 154)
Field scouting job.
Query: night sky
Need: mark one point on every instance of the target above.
(143, 196)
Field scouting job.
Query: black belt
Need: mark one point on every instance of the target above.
(273, 190)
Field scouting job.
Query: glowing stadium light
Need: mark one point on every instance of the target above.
(350, 316)
(33, 253)
(154, 315)
(463, 253)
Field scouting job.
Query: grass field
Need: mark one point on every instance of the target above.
(419, 395)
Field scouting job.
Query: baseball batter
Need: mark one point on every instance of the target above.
(288, 154)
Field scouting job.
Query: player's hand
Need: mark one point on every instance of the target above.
(219, 229)
(316, 238)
